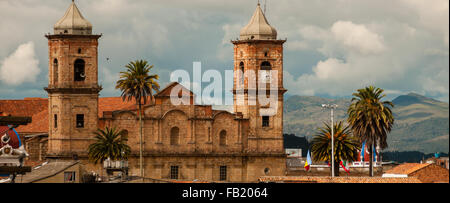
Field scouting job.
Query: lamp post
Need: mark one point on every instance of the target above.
(332, 107)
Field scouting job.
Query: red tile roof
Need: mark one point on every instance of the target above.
(167, 91)
(37, 109)
(317, 179)
(406, 168)
(23, 108)
(114, 104)
(39, 123)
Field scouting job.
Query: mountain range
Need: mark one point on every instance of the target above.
(421, 123)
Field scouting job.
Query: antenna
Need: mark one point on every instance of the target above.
(265, 5)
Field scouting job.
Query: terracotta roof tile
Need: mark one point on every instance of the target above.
(39, 123)
(406, 168)
(37, 109)
(113, 104)
(168, 90)
(26, 107)
(327, 179)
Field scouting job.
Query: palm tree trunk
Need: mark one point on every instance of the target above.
(140, 141)
(336, 169)
(371, 161)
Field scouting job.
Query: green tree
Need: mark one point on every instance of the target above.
(110, 143)
(371, 119)
(346, 146)
(138, 83)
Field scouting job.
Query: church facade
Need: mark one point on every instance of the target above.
(184, 142)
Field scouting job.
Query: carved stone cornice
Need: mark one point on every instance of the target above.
(92, 90)
(66, 36)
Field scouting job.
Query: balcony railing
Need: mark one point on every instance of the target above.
(119, 165)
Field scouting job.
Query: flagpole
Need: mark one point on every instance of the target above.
(332, 107)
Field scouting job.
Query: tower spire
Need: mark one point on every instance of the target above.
(258, 28)
(73, 22)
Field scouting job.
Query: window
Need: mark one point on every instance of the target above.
(265, 121)
(79, 50)
(266, 54)
(174, 172)
(241, 74)
(174, 136)
(266, 66)
(55, 120)
(55, 71)
(79, 74)
(80, 120)
(223, 138)
(69, 177)
(209, 134)
(124, 133)
(223, 173)
(266, 171)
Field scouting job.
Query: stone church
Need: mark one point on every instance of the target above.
(184, 142)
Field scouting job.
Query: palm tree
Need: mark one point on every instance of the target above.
(110, 143)
(137, 83)
(371, 119)
(346, 146)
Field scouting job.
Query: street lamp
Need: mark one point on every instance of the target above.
(332, 107)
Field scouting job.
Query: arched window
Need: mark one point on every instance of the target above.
(55, 71)
(79, 74)
(174, 136)
(223, 138)
(124, 134)
(241, 76)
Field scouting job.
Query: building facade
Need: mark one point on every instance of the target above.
(185, 141)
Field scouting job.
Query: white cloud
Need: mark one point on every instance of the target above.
(357, 37)
(21, 66)
(225, 49)
(297, 45)
(108, 80)
(433, 16)
(383, 42)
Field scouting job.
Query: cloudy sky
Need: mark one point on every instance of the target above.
(334, 46)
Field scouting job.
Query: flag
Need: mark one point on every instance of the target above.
(362, 150)
(308, 161)
(344, 164)
(374, 154)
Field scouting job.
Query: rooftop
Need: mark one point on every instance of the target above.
(406, 168)
(327, 179)
(37, 109)
(45, 170)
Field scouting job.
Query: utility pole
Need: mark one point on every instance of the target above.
(332, 107)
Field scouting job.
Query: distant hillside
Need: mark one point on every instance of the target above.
(422, 123)
(408, 157)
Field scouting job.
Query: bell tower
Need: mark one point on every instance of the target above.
(258, 67)
(73, 88)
